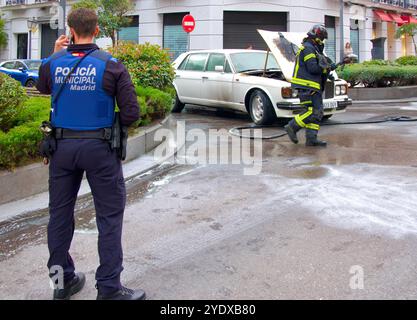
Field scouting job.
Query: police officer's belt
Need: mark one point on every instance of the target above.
(102, 134)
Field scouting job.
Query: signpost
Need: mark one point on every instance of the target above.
(188, 24)
(62, 12)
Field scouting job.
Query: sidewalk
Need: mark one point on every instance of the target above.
(385, 101)
(40, 201)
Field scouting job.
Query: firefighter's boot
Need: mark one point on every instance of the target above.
(292, 128)
(312, 141)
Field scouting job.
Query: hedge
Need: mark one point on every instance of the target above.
(379, 74)
(12, 97)
(149, 65)
(407, 61)
(19, 145)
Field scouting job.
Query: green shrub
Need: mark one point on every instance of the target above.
(12, 97)
(378, 62)
(20, 143)
(379, 75)
(407, 61)
(148, 65)
(154, 104)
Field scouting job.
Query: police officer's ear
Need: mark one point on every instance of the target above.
(72, 35)
(97, 32)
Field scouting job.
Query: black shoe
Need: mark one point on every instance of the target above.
(71, 288)
(291, 133)
(316, 143)
(124, 294)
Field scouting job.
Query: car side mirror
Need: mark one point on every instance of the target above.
(22, 69)
(219, 68)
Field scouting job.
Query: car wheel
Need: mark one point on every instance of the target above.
(260, 108)
(178, 105)
(30, 83)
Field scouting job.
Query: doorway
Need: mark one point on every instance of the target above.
(22, 46)
(48, 39)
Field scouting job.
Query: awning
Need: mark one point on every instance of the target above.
(383, 15)
(397, 18)
(409, 19)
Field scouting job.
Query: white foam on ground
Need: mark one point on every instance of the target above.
(369, 198)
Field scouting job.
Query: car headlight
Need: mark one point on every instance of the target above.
(294, 93)
(288, 93)
(343, 89)
(338, 90)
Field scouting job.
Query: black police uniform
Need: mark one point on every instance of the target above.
(309, 79)
(85, 107)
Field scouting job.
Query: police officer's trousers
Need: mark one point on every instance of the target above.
(104, 174)
(311, 118)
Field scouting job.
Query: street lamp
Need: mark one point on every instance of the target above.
(61, 17)
(31, 26)
(342, 33)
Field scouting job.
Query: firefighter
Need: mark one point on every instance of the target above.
(311, 72)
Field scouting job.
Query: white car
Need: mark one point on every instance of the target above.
(257, 82)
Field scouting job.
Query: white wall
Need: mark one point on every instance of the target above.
(302, 14)
(209, 16)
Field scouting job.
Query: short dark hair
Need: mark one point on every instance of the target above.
(83, 21)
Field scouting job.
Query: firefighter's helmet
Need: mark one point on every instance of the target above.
(318, 32)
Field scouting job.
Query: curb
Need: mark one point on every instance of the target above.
(385, 101)
(388, 93)
(33, 179)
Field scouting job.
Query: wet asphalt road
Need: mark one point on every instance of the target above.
(296, 230)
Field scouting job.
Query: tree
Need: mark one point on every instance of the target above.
(3, 34)
(408, 29)
(111, 15)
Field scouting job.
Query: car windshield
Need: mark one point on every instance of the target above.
(33, 65)
(247, 61)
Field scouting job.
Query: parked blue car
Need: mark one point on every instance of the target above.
(24, 71)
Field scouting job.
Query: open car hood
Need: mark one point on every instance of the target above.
(284, 46)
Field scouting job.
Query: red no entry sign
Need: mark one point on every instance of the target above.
(188, 23)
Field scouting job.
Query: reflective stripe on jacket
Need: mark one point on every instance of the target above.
(307, 72)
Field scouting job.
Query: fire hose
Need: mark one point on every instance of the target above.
(236, 131)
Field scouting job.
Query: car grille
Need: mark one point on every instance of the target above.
(329, 90)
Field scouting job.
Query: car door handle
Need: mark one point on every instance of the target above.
(177, 76)
(205, 78)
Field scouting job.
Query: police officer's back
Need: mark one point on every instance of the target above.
(84, 83)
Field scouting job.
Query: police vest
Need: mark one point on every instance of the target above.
(83, 104)
(302, 79)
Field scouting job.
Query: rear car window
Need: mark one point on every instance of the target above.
(196, 62)
(183, 63)
(215, 59)
(8, 65)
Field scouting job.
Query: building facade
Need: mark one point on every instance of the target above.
(369, 25)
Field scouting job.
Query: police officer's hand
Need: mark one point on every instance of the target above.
(61, 43)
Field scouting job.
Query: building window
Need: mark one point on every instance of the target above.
(330, 24)
(131, 32)
(354, 36)
(175, 39)
(240, 28)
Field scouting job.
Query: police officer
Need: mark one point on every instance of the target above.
(310, 75)
(84, 83)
